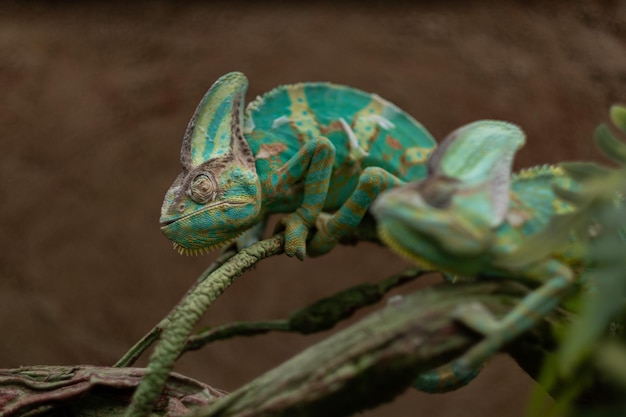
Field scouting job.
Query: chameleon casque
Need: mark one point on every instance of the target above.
(470, 217)
(305, 149)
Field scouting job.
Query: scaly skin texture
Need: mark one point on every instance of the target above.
(300, 149)
(470, 217)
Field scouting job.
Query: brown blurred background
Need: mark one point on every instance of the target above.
(94, 101)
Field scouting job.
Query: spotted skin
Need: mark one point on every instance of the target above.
(471, 217)
(319, 152)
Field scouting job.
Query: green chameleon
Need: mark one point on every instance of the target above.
(471, 217)
(305, 149)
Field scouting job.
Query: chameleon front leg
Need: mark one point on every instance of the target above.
(330, 228)
(556, 280)
(252, 235)
(313, 162)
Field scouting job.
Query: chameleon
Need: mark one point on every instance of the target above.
(471, 217)
(317, 151)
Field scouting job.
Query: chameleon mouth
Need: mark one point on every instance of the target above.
(165, 223)
(168, 222)
(198, 238)
(410, 255)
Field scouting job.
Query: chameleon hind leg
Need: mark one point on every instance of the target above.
(313, 163)
(446, 378)
(330, 228)
(555, 278)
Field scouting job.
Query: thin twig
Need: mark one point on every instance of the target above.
(135, 352)
(319, 316)
(186, 316)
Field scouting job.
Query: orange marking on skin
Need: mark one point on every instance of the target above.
(393, 142)
(335, 126)
(404, 165)
(266, 151)
(353, 206)
(303, 138)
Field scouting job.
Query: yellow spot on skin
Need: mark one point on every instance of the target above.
(417, 155)
(366, 125)
(561, 207)
(300, 111)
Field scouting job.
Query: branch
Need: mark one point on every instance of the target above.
(90, 390)
(365, 232)
(319, 316)
(372, 361)
(360, 367)
(186, 316)
(152, 336)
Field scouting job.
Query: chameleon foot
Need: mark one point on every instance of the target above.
(296, 232)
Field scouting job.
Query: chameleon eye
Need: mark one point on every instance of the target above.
(203, 189)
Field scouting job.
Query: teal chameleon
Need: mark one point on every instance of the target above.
(470, 217)
(305, 149)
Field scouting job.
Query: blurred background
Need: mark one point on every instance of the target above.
(94, 100)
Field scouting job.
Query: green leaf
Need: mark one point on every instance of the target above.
(582, 171)
(609, 145)
(611, 358)
(618, 116)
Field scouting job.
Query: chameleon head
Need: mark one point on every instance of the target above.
(217, 195)
(409, 218)
(434, 224)
(454, 212)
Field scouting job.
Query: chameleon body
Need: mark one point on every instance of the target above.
(470, 217)
(300, 149)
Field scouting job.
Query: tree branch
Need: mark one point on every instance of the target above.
(372, 361)
(319, 316)
(92, 391)
(360, 367)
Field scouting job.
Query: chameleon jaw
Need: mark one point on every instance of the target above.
(192, 252)
(178, 231)
(412, 256)
(182, 250)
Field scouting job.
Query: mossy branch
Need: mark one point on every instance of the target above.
(139, 348)
(360, 367)
(429, 339)
(319, 316)
(186, 315)
(372, 361)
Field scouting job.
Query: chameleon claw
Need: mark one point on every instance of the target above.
(296, 232)
(294, 248)
(300, 252)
